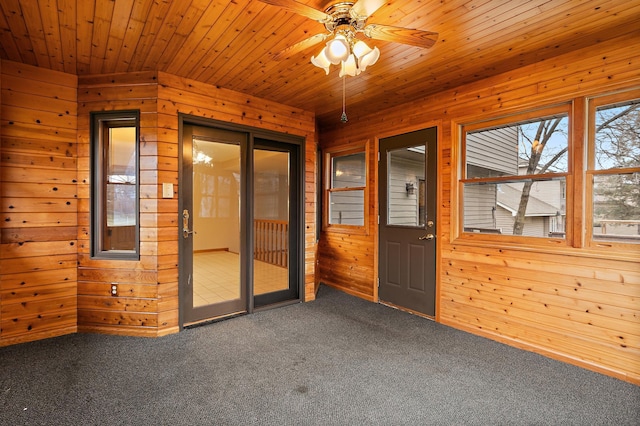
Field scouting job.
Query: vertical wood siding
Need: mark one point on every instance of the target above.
(568, 303)
(38, 201)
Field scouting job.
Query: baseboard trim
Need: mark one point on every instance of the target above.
(32, 337)
(558, 356)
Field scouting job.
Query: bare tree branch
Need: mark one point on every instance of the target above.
(615, 117)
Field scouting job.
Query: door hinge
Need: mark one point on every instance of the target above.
(378, 156)
(378, 282)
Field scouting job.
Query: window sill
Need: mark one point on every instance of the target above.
(346, 229)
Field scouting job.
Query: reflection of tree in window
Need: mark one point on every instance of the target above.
(616, 183)
(524, 204)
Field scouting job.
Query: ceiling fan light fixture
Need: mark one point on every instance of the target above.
(337, 49)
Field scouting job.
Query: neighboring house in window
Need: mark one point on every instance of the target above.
(407, 188)
(491, 208)
(345, 194)
(542, 218)
(489, 153)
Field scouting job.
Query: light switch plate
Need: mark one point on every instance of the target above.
(167, 190)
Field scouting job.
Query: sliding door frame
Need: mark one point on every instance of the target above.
(246, 238)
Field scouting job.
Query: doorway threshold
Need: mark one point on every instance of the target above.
(410, 311)
(214, 319)
(277, 305)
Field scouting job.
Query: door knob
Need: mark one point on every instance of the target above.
(427, 237)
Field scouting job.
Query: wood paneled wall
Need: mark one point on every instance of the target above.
(181, 95)
(147, 300)
(570, 303)
(146, 303)
(39, 203)
(49, 285)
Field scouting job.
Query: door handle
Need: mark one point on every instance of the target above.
(427, 237)
(185, 224)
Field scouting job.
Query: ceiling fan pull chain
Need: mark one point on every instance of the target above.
(343, 118)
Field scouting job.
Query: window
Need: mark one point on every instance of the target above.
(346, 189)
(613, 171)
(514, 175)
(115, 185)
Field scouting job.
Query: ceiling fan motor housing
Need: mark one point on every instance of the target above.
(343, 19)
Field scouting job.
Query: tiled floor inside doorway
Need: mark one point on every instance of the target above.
(217, 277)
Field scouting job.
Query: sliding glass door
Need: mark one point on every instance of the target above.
(239, 220)
(275, 187)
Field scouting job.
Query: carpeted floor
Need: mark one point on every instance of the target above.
(336, 361)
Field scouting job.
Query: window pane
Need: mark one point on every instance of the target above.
(406, 188)
(617, 140)
(616, 207)
(271, 185)
(530, 208)
(526, 148)
(348, 171)
(346, 208)
(120, 190)
(121, 176)
(115, 193)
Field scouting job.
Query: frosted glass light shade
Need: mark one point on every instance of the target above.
(337, 50)
(360, 49)
(349, 67)
(369, 58)
(321, 61)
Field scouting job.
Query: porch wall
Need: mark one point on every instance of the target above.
(49, 285)
(147, 297)
(186, 96)
(38, 200)
(569, 303)
(148, 303)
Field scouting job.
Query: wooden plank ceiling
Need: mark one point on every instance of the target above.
(231, 44)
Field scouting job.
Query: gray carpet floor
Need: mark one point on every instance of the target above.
(336, 361)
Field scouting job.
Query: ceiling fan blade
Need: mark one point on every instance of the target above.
(409, 36)
(300, 46)
(299, 8)
(366, 8)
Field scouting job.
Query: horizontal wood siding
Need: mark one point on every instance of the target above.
(569, 303)
(181, 95)
(142, 305)
(346, 259)
(38, 203)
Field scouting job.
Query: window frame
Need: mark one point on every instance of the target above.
(503, 121)
(593, 103)
(328, 154)
(101, 122)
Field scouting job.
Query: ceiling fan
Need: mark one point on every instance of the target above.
(344, 20)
